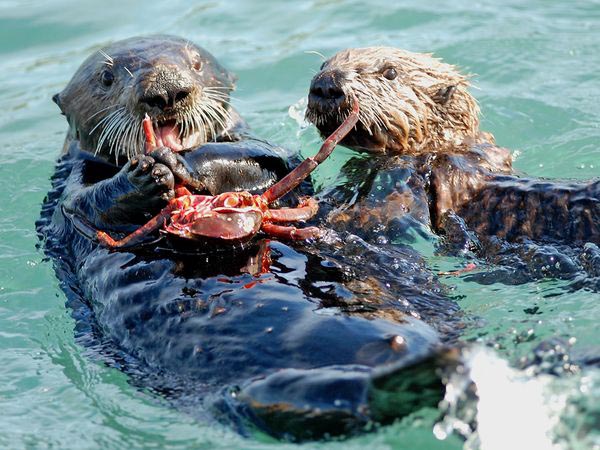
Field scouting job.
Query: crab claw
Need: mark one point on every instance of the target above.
(149, 134)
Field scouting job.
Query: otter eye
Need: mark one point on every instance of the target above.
(390, 73)
(107, 78)
(197, 65)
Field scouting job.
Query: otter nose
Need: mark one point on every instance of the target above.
(166, 99)
(326, 91)
(327, 87)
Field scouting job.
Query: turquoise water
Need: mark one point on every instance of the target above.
(536, 66)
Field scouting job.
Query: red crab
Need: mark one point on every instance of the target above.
(238, 216)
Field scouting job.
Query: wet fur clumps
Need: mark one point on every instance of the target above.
(418, 117)
(404, 99)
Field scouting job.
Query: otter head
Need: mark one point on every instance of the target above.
(409, 102)
(178, 84)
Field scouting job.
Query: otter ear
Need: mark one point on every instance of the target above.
(56, 99)
(443, 95)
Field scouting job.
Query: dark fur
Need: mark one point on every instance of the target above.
(306, 349)
(297, 350)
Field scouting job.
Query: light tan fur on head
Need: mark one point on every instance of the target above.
(409, 102)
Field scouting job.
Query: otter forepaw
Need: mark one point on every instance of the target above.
(177, 164)
(152, 179)
(166, 156)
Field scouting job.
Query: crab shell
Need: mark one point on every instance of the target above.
(232, 216)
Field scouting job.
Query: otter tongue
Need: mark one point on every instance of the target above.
(168, 135)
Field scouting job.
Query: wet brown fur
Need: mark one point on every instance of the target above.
(426, 120)
(426, 108)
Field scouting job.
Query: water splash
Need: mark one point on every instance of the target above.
(494, 406)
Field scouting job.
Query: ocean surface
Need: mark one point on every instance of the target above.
(536, 68)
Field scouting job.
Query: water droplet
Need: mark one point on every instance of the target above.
(398, 343)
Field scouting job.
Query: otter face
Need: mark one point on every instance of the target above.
(178, 84)
(409, 102)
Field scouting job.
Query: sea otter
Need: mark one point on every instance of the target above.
(430, 165)
(301, 341)
(185, 91)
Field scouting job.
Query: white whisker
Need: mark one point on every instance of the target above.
(103, 120)
(213, 112)
(108, 59)
(109, 131)
(106, 131)
(314, 52)
(99, 111)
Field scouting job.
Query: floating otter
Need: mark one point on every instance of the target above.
(431, 164)
(303, 342)
(185, 92)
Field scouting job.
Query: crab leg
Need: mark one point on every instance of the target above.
(291, 233)
(149, 133)
(153, 224)
(296, 176)
(307, 208)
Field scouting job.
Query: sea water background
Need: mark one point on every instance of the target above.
(536, 66)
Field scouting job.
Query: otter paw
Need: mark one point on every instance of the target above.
(177, 164)
(150, 178)
(167, 157)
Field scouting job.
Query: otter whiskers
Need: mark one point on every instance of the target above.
(202, 117)
(122, 131)
(114, 105)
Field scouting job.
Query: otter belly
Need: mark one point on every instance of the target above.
(297, 350)
(248, 345)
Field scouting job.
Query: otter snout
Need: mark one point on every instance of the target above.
(327, 91)
(163, 90)
(166, 99)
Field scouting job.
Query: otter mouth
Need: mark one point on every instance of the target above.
(361, 138)
(169, 133)
(326, 117)
(327, 124)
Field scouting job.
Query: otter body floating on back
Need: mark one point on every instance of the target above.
(302, 343)
(430, 160)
